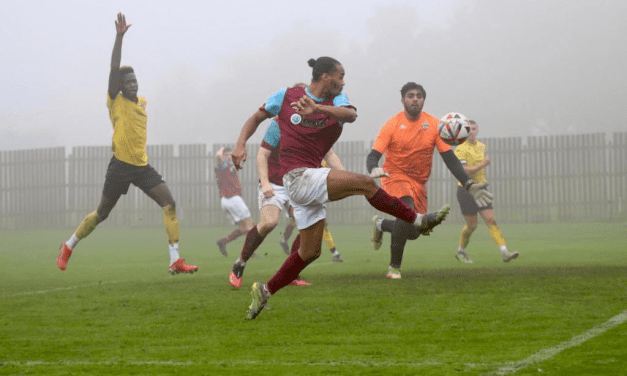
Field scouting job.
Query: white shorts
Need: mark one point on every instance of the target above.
(279, 199)
(307, 190)
(235, 208)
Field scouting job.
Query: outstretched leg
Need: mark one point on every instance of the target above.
(86, 227)
(310, 248)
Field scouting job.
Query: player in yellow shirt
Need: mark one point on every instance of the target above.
(474, 159)
(129, 163)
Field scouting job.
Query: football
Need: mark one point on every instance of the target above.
(454, 128)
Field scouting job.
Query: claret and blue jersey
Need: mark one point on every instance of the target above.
(304, 140)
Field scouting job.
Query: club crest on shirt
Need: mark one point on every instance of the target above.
(425, 125)
(296, 119)
(402, 126)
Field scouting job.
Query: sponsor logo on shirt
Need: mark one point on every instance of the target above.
(313, 123)
(296, 119)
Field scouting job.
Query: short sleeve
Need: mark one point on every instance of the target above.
(275, 102)
(273, 134)
(385, 136)
(342, 101)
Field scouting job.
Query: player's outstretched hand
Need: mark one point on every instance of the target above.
(480, 193)
(120, 25)
(378, 172)
(304, 106)
(239, 155)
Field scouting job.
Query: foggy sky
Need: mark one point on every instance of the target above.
(517, 67)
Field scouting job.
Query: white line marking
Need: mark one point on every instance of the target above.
(37, 363)
(550, 352)
(57, 289)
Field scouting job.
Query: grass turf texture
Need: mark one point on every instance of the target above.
(117, 311)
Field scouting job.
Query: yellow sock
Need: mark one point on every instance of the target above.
(326, 235)
(497, 235)
(88, 225)
(464, 238)
(171, 224)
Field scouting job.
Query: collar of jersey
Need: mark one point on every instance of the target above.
(313, 97)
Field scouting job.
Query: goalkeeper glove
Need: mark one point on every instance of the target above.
(479, 193)
(378, 172)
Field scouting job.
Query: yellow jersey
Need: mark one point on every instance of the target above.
(129, 121)
(471, 155)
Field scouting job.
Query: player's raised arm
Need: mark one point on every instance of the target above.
(114, 76)
(240, 154)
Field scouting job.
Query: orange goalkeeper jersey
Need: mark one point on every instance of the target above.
(408, 145)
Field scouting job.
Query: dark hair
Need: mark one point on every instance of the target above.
(322, 65)
(411, 86)
(126, 69)
(470, 121)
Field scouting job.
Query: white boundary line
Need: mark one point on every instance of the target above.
(550, 352)
(26, 293)
(37, 363)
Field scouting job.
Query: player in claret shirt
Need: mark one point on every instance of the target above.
(231, 201)
(311, 120)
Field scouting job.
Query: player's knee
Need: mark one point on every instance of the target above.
(316, 255)
(369, 184)
(310, 255)
(102, 215)
(413, 234)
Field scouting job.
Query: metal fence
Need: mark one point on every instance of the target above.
(534, 179)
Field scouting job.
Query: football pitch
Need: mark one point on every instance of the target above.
(559, 309)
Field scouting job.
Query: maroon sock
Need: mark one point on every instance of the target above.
(382, 201)
(296, 244)
(253, 240)
(232, 236)
(290, 269)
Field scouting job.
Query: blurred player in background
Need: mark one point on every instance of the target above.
(287, 233)
(230, 188)
(129, 163)
(408, 140)
(311, 120)
(472, 156)
(326, 235)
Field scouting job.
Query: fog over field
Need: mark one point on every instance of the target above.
(517, 67)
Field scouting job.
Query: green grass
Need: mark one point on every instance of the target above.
(116, 310)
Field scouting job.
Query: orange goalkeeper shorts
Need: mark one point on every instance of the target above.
(400, 186)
